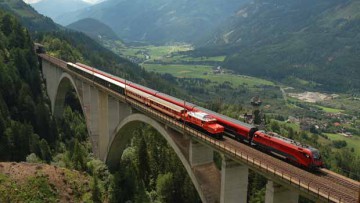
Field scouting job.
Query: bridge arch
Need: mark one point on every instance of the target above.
(65, 84)
(123, 134)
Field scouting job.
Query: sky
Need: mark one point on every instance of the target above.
(35, 1)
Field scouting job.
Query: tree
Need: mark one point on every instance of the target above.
(6, 24)
(96, 194)
(78, 156)
(143, 167)
(45, 151)
(275, 126)
(257, 117)
(32, 158)
(165, 187)
(339, 143)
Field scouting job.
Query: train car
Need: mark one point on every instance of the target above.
(114, 85)
(156, 103)
(206, 122)
(234, 129)
(200, 120)
(288, 149)
(39, 48)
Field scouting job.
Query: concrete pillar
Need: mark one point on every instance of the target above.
(50, 73)
(103, 123)
(79, 87)
(278, 193)
(124, 111)
(200, 154)
(234, 182)
(86, 98)
(113, 115)
(94, 119)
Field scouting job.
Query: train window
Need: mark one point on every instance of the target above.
(306, 155)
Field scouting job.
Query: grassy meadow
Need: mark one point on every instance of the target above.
(205, 72)
(352, 142)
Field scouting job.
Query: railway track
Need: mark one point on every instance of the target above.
(339, 188)
(346, 182)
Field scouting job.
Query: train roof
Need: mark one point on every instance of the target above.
(176, 99)
(169, 105)
(232, 120)
(202, 116)
(138, 92)
(143, 87)
(287, 140)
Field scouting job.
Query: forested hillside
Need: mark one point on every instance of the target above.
(25, 122)
(77, 47)
(29, 133)
(94, 29)
(291, 41)
(33, 21)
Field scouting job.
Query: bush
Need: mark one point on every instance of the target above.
(339, 143)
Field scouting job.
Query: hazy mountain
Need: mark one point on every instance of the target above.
(316, 41)
(28, 16)
(94, 29)
(54, 8)
(158, 20)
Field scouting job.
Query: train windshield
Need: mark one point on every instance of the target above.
(316, 153)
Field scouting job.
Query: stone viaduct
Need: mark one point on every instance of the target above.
(111, 119)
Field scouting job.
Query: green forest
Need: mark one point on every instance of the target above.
(26, 125)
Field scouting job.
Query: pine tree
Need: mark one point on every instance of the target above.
(96, 194)
(143, 168)
(45, 151)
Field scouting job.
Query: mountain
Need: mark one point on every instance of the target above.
(291, 40)
(55, 8)
(28, 16)
(94, 29)
(158, 21)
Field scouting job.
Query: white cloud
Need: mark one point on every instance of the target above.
(31, 1)
(89, 1)
(93, 1)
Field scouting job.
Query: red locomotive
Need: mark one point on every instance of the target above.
(288, 149)
(208, 121)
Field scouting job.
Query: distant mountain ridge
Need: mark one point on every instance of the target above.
(54, 8)
(287, 40)
(94, 29)
(158, 21)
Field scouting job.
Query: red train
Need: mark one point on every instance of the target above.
(205, 120)
(195, 118)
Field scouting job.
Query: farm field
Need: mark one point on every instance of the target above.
(205, 72)
(352, 142)
(329, 110)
